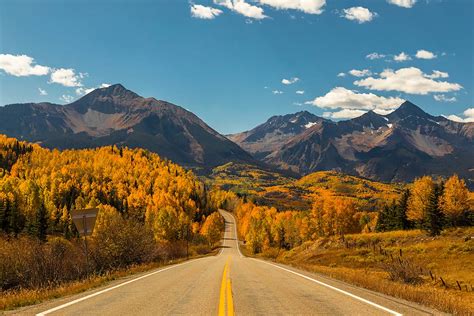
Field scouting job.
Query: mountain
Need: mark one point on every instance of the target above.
(400, 146)
(115, 115)
(268, 137)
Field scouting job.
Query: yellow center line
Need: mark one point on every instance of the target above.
(226, 293)
(230, 302)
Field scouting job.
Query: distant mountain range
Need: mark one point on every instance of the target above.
(400, 146)
(115, 115)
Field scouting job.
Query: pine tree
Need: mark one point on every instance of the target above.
(41, 223)
(433, 221)
(401, 211)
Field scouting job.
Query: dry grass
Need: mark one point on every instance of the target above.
(366, 260)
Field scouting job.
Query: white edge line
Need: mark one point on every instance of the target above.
(236, 235)
(334, 288)
(110, 289)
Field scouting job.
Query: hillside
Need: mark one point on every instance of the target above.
(286, 192)
(117, 116)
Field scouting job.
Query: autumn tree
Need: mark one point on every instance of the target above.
(212, 228)
(419, 200)
(454, 202)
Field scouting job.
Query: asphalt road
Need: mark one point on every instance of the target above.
(226, 284)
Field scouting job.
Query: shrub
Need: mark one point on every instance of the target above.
(402, 270)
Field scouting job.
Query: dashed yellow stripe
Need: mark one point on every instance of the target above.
(226, 294)
(230, 302)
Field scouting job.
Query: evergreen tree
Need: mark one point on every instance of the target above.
(433, 221)
(394, 216)
(41, 223)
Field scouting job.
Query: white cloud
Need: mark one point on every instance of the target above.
(346, 113)
(424, 54)
(66, 77)
(299, 91)
(359, 14)
(202, 12)
(341, 74)
(243, 8)
(290, 81)
(66, 98)
(401, 57)
(360, 73)
(403, 3)
(468, 116)
(277, 92)
(42, 92)
(409, 80)
(21, 66)
(342, 98)
(438, 74)
(469, 112)
(307, 6)
(443, 98)
(83, 91)
(374, 55)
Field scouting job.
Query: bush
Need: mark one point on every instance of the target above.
(28, 263)
(403, 271)
(122, 243)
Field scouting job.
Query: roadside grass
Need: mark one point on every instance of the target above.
(24, 297)
(443, 265)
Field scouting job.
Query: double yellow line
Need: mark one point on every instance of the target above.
(226, 293)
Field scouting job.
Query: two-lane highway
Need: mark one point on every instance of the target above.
(226, 284)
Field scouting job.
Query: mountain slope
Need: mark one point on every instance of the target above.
(400, 146)
(269, 136)
(115, 115)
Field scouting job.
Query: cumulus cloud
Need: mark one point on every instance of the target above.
(438, 74)
(83, 91)
(290, 81)
(424, 54)
(299, 91)
(401, 57)
(359, 14)
(66, 98)
(21, 66)
(341, 98)
(66, 77)
(403, 3)
(277, 92)
(42, 92)
(374, 55)
(307, 6)
(468, 116)
(409, 80)
(243, 8)
(341, 74)
(344, 114)
(202, 12)
(360, 73)
(444, 98)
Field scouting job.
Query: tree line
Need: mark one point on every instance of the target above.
(425, 204)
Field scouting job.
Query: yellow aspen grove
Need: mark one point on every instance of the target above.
(455, 199)
(212, 227)
(419, 199)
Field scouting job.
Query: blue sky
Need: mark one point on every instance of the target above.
(226, 60)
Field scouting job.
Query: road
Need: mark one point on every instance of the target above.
(225, 284)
